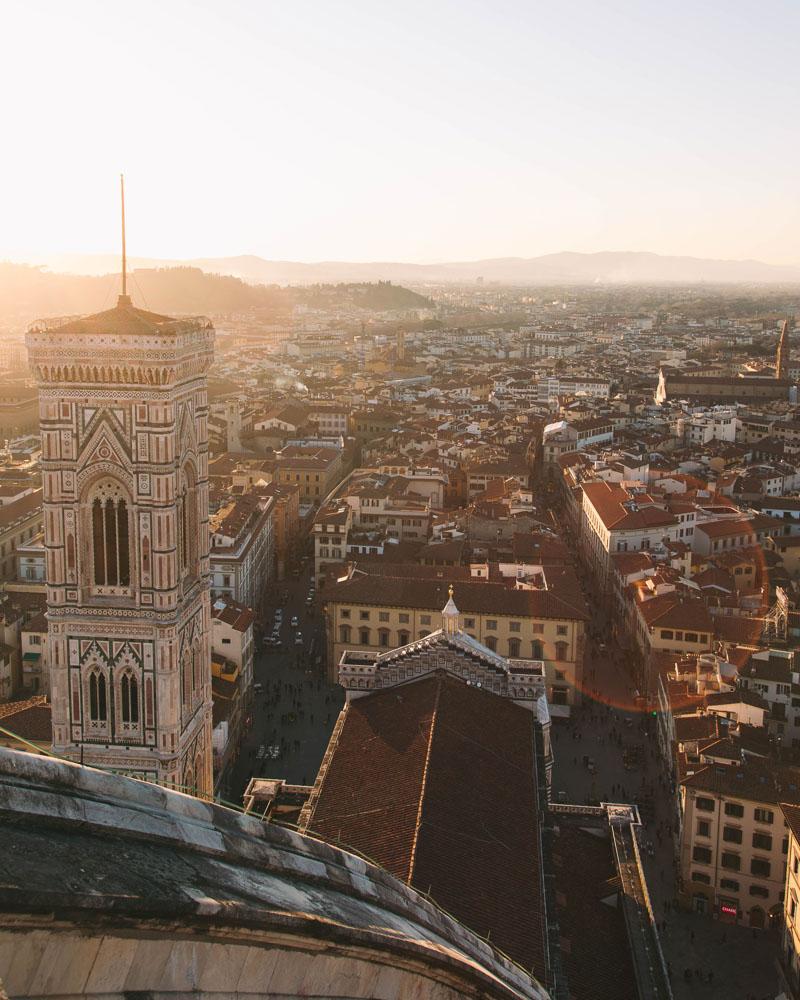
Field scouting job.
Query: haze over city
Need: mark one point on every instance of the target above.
(418, 132)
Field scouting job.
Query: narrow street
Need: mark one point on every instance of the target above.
(294, 709)
(706, 958)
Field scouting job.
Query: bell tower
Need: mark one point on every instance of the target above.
(123, 410)
(782, 353)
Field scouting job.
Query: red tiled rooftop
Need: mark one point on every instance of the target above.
(436, 782)
(564, 601)
(29, 720)
(609, 500)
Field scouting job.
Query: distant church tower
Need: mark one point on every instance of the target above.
(123, 409)
(233, 425)
(782, 354)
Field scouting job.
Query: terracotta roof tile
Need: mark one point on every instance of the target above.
(436, 782)
(472, 597)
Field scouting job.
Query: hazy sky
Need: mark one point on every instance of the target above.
(405, 130)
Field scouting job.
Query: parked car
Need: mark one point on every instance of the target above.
(298, 639)
(295, 621)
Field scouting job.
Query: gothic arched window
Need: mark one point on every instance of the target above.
(198, 774)
(188, 526)
(129, 699)
(98, 703)
(197, 661)
(187, 678)
(110, 535)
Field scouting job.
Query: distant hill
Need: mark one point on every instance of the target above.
(28, 293)
(557, 268)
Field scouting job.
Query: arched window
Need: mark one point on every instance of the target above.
(186, 503)
(491, 643)
(363, 636)
(197, 668)
(110, 535)
(98, 706)
(561, 650)
(129, 699)
(423, 633)
(187, 678)
(344, 633)
(198, 773)
(383, 637)
(513, 646)
(537, 650)
(403, 638)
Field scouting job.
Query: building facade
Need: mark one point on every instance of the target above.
(375, 614)
(242, 558)
(315, 471)
(232, 638)
(20, 521)
(123, 413)
(789, 960)
(734, 840)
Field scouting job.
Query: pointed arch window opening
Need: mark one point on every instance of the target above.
(188, 667)
(198, 774)
(110, 537)
(98, 701)
(129, 701)
(183, 534)
(197, 671)
(187, 526)
(98, 707)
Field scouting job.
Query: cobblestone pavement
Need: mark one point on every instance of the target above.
(741, 963)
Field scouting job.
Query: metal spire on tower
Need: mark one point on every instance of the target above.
(124, 299)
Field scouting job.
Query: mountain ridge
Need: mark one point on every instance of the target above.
(564, 267)
(29, 292)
